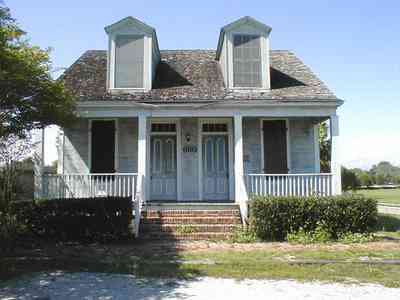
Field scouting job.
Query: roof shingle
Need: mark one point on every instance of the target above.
(191, 75)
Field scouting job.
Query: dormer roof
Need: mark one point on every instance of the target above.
(129, 22)
(238, 23)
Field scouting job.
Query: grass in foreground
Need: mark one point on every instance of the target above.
(280, 261)
(383, 195)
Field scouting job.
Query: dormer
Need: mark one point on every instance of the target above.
(132, 57)
(243, 54)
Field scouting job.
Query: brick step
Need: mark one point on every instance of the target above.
(188, 213)
(189, 228)
(192, 220)
(184, 236)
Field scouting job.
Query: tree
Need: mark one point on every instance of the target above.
(325, 148)
(29, 97)
(365, 179)
(349, 180)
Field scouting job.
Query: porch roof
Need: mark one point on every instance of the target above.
(193, 75)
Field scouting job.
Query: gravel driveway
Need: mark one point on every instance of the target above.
(115, 286)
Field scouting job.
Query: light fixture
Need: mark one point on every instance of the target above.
(188, 137)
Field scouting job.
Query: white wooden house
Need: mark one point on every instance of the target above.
(194, 126)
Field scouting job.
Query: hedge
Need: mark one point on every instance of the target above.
(78, 219)
(272, 218)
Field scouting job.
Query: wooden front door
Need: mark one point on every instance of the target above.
(103, 146)
(215, 167)
(163, 167)
(275, 147)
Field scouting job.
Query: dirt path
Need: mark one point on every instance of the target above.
(115, 286)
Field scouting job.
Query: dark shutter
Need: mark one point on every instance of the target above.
(129, 55)
(275, 147)
(246, 61)
(103, 147)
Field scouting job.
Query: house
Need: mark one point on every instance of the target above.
(194, 126)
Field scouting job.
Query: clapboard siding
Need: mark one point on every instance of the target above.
(127, 145)
(76, 147)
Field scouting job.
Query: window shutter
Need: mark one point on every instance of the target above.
(246, 61)
(129, 54)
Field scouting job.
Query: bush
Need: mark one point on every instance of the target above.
(243, 236)
(84, 219)
(351, 238)
(10, 231)
(273, 218)
(319, 235)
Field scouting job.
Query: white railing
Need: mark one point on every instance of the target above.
(289, 184)
(89, 185)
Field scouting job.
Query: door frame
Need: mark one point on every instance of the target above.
(178, 135)
(227, 121)
(288, 162)
(116, 154)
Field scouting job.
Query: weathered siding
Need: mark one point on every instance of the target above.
(302, 146)
(76, 148)
(190, 160)
(252, 145)
(127, 145)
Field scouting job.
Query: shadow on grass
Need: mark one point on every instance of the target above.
(388, 223)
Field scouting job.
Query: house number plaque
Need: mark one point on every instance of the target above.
(189, 149)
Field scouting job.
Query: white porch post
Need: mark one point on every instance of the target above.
(240, 189)
(142, 144)
(335, 162)
(38, 160)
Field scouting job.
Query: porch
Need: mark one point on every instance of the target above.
(192, 159)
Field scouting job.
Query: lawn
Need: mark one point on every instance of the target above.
(373, 262)
(383, 195)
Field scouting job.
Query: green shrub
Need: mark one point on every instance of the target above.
(319, 235)
(273, 218)
(351, 238)
(84, 219)
(243, 235)
(11, 230)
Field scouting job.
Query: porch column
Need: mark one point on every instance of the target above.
(335, 162)
(240, 190)
(38, 162)
(142, 144)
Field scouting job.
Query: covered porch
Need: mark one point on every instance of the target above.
(182, 158)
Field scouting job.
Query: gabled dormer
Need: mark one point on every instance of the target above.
(243, 54)
(133, 55)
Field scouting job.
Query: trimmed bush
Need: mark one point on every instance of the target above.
(273, 218)
(79, 219)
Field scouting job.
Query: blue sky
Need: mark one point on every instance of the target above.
(353, 46)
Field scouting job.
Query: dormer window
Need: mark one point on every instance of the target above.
(246, 61)
(129, 57)
(243, 55)
(133, 56)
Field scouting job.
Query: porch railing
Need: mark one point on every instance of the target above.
(89, 185)
(289, 184)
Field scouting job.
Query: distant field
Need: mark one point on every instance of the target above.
(383, 195)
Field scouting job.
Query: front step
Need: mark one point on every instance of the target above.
(192, 221)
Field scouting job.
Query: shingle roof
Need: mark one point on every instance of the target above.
(190, 75)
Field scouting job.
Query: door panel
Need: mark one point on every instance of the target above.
(163, 167)
(275, 147)
(215, 167)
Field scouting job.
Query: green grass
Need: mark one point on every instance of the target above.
(383, 195)
(287, 263)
